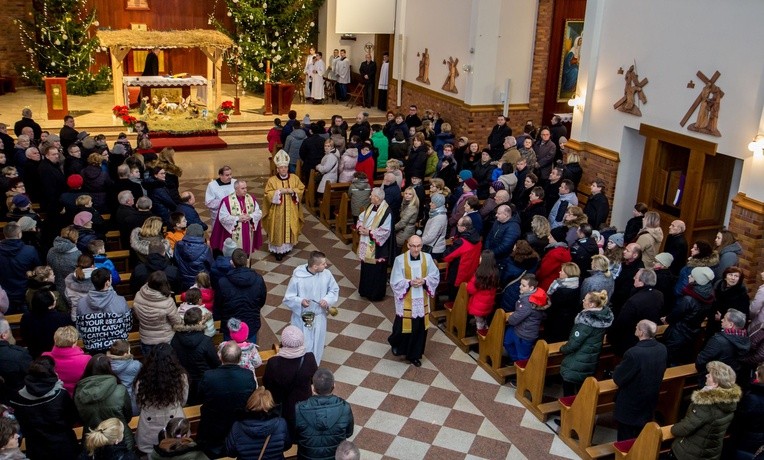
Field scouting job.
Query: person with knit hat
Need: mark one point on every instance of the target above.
(83, 221)
(288, 374)
(524, 324)
(222, 264)
(685, 319)
(250, 356)
(311, 294)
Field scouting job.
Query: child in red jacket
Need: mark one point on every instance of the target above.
(482, 291)
(274, 136)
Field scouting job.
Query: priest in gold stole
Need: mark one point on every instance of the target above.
(282, 213)
(414, 279)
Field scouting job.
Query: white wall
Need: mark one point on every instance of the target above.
(514, 58)
(670, 42)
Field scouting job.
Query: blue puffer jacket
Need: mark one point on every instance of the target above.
(502, 238)
(322, 423)
(16, 258)
(248, 435)
(192, 255)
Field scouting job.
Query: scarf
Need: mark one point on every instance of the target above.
(291, 352)
(734, 331)
(437, 211)
(570, 283)
(249, 203)
(369, 253)
(408, 298)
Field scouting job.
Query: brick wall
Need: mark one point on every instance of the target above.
(477, 122)
(11, 51)
(597, 163)
(747, 223)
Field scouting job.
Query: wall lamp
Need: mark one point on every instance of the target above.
(757, 146)
(577, 102)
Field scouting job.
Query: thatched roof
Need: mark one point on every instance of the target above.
(197, 38)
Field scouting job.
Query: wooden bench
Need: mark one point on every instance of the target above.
(579, 413)
(121, 260)
(331, 201)
(310, 192)
(456, 320)
(438, 311)
(343, 225)
(491, 348)
(647, 446)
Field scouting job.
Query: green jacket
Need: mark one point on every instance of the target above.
(582, 350)
(700, 434)
(321, 424)
(100, 397)
(381, 143)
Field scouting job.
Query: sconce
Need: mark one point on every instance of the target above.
(577, 102)
(757, 146)
(467, 68)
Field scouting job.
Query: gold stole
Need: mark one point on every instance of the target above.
(233, 202)
(370, 255)
(407, 300)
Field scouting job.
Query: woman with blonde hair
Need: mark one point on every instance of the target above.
(582, 350)
(700, 434)
(565, 298)
(106, 442)
(572, 169)
(600, 277)
(141, 237)
(394, 166)
(78, 283)
(43, 278)
(574, 217)
(69, 358)
(406, 224)
(650, 238)
(539, 234)
(262, 433)
(439, 186)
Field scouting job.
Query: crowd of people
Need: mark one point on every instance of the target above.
(503, 213)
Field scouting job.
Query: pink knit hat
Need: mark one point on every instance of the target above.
(292, 337)
(238, 329)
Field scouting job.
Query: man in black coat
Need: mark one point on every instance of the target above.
(496, 139)
(68, 134)
(412, 119)
(665, 280)
(552, 189)
(368, 71)
(52, 180)
(156, 261)
(393, 196)
(26, 120)
(14, 362)
(597, 207)
(727, 346)
(222, 393)
(241, 295)
(631, 264)
(311, 151)
(639, 378)
(646, 302)
(676, 245)
(584, 248)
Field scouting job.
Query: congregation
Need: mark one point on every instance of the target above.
(433, 213)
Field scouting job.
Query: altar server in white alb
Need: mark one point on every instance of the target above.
(317, 87)
(308, 71)
(217, 190)
(311, 295)
(414, 279)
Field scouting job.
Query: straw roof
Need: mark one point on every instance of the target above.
(197, 38)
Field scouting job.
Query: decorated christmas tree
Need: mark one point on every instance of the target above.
(268, 30)
(60, 43)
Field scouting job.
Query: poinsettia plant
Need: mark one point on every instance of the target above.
(227, 107)
(129, 120)
(221, 119)
(120, 110)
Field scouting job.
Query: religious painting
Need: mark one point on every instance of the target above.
(137, 5)
(571, 55)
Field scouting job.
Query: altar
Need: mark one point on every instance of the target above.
(169, 87)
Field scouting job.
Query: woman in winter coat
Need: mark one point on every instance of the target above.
(729, 292)
(288, 374)
(482, 291)
(141, 237)
(635, 224)
(62, 257)
(248, 435)
(161, 390)
(692, 307)
(166, 160)
(43, 278)
(96, 182)
(70, 360)
(701, 255)
(463, 256)
(162, 203)
(40, 323)
(192, 255)
(329, 165)
(155, 308)
(46, 413)
(100, 396)
(106, 442)
(573, 170)
(359, 193)
(564, 297)
(700, 434)
(729, 251)
(650, 238)
(434, 233)
(406, 224)
(600, 277)
(555, 255)
(582, 350)
(194, 349)
(175, 442)
(416, 163)
(125, 368)
(78, 283)
(347, 165)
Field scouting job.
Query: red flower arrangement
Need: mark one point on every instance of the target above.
(120, 110)
(129, 120)
(221, 119)
(227, 107)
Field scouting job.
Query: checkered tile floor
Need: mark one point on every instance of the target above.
(447, 409)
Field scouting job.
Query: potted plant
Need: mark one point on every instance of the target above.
(227, 107)
(119, 111)
(221, 122)
(129, 121)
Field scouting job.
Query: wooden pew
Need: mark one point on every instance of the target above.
(113, 241)
(491, 347)
(343, 225)
(331, 201)
(121, 260)
(310, 192)
(298, 168)
(438, 311)
(579, 413)
(456, 320)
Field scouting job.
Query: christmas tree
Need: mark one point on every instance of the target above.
(60, 43)
(268, 30)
